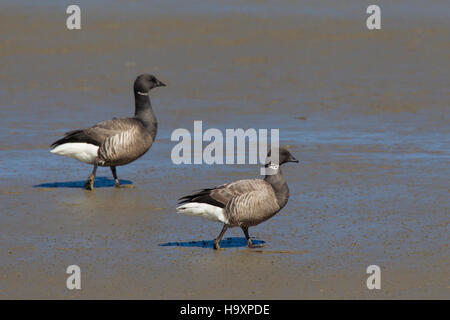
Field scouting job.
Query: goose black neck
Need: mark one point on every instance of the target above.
(279, 185)
(144, 112)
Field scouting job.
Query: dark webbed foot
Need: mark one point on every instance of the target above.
(216, 245)
(89, 184)
(116, 180)
(251, 245)
(125, 186)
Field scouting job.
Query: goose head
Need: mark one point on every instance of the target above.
(146, 82)
(284, 156)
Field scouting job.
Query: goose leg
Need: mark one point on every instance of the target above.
(89, 184)
(217, 240)
(116, 180)
(114, 173)
(250, 244)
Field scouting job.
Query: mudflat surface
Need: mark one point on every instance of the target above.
(366, 113)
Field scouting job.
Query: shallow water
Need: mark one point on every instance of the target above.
(366, 113)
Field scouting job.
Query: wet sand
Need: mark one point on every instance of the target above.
(365, 112)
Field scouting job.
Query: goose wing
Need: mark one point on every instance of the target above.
(245, 202)
(97, 134)
(221, 195)
(120, 141)
(126, 140)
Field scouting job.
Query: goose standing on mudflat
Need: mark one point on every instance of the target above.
(244, 203)
(115, 142)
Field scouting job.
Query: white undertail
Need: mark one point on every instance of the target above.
(81, 151)
(203, 210)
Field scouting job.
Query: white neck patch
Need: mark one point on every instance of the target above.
(142, 93)
(274, 166)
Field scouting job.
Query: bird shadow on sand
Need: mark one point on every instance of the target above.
(100, 182)
(232, 242)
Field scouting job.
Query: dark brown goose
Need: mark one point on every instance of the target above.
(244, 203)
(115, 142)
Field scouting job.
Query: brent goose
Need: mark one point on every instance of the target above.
(244, 203)
(114, 142)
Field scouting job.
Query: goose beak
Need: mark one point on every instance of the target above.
(161, 84)
(293, 160)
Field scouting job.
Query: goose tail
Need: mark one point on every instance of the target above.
(203, 210)
(84, 152)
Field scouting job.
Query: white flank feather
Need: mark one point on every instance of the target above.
(84, 152)
(203, 210)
